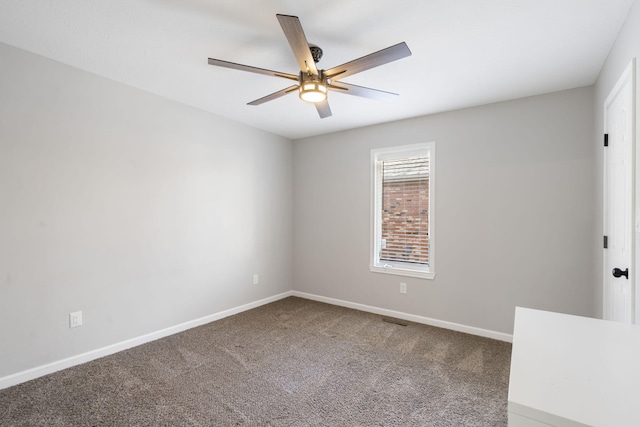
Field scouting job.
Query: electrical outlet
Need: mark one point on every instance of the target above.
(403, 288)
(75, 319)
(256, 279)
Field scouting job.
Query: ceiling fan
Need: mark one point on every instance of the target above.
(313, 84)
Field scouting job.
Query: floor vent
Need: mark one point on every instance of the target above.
(394, 321)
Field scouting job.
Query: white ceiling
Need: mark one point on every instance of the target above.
(465, 52)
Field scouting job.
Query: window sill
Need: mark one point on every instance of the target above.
(398, 271)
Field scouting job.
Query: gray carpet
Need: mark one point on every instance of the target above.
(294, 362)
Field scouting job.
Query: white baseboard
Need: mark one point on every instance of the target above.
(49, 368)
(500, 336)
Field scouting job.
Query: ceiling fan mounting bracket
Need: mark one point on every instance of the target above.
(316, 52)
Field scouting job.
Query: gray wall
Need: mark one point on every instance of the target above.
(139, 211)
(626, 47)
(144, 213)
(514, 212)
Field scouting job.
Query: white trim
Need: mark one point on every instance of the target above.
(49, 368)
(399, 271)
(59, 365)
(500, 336)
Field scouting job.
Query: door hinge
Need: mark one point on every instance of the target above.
(606, 139)
(606, 242)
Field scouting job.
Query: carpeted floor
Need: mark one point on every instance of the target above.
(294, 362)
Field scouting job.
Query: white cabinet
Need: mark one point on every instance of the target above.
(569, 371)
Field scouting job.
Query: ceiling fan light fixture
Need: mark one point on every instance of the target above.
(312, 88)
(313, 84)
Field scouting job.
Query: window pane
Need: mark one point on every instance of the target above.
(405, 210)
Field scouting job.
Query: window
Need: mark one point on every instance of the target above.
(402, 182)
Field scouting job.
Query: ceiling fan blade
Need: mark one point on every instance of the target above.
(298, 42)
(233, 65)
(323, 109)
(372, 60)
(274, 95)
(365, 92)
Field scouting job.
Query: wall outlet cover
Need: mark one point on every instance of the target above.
(75, 319)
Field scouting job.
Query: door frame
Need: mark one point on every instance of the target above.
(628, 76)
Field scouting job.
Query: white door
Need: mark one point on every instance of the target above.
(619, 200)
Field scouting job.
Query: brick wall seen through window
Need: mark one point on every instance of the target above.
(405, 220)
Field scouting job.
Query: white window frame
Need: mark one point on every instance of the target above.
(400, 268)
